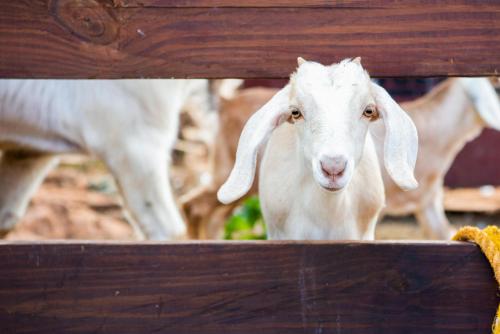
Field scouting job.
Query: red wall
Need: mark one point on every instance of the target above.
(478, 163)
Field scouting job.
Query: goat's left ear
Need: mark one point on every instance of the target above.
(401, 140)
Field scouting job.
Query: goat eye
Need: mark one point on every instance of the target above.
(296, 114)
(370, 112)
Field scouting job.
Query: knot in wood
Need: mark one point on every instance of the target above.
(89, 20)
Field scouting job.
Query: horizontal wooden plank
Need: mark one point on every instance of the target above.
(272, 287)
(295, 3)
(89, 39)
(242, 3)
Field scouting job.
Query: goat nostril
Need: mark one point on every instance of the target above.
(325, 170)
(333, 166)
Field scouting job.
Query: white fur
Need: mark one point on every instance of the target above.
(300, 201)
(130, 124)
(449, 116)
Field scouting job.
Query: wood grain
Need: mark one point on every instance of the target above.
(296, 3)
(161, 38)
(269, 287)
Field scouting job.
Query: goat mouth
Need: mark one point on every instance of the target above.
(333, 184)
(332, 189)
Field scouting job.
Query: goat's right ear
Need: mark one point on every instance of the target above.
(254, 135)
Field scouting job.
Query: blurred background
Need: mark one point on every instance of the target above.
(79, 199)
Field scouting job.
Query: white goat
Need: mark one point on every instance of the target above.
(320, 177)
(130, 124)
(449, 116)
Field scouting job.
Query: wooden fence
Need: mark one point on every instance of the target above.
(245, 39)
(263, 287)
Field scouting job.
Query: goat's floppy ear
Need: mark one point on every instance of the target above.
(227, 88)
(254, 135)
(401, 140)
(485, 100)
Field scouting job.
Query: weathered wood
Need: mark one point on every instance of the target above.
(293, 3)
(246, 288)
(162, 38)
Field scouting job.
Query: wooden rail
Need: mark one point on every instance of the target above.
(247, 287)
(249, 39)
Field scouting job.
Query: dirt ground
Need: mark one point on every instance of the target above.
(79, 200)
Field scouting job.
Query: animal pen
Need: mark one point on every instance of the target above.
(245, 287)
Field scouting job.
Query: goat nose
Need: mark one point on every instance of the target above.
(332, 166)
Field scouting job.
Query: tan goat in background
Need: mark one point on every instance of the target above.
(449, 116)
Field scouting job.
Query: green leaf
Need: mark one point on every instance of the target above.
(246, 223)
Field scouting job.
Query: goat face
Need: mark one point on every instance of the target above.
(332, 107)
